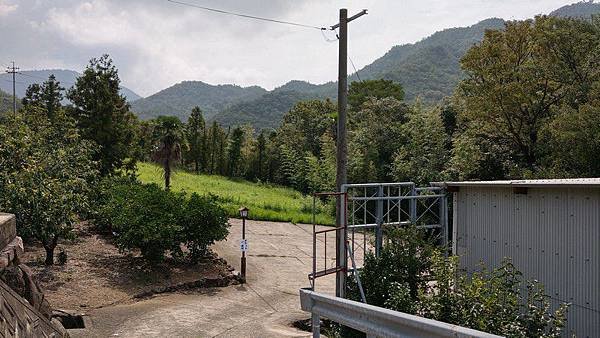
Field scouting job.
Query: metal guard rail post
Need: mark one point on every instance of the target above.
(376, 321)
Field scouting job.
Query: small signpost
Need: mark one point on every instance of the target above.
(244, 245)
(243, 242)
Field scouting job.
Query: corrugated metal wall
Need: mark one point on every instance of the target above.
(551, 234)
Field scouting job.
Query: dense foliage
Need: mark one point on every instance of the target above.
(6, 104)
(46, 175)
(156, 221)
(526, 88)
(411, 275)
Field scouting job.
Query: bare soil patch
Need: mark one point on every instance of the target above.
(96, 274)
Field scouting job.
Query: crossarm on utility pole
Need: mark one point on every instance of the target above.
(355, 16)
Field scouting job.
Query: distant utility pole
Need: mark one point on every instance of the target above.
(13, 70)
(342, 145)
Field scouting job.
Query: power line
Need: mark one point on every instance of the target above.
(337, 37)
(355, 70)
(248, 16)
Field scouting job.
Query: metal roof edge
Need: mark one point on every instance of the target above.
(572, 182)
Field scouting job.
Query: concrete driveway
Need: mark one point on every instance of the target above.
(279, 260)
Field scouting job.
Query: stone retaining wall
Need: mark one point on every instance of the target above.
(23, 309)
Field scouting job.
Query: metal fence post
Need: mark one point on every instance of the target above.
(443, 215)
(413, 205)
(379, 222)
(341, 254)
(316, 325)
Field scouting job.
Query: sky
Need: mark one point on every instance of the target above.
(157, 43)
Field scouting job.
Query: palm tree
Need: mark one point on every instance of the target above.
(168, 133)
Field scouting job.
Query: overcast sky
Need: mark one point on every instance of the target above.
(156, 44)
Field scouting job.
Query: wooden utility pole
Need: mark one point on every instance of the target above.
(342, 146)
(14, 71)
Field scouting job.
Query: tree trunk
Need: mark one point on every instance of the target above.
(49, 247)
(196, 164)
(167, 168)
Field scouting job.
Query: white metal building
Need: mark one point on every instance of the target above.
(550, 229)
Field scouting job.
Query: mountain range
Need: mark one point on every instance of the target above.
(429, 69)
(66, 78)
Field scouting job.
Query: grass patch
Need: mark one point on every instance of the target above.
(266, 202)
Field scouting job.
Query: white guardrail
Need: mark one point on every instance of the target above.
(376, 321)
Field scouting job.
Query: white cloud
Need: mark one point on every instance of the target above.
(6, 8)
(157, 43)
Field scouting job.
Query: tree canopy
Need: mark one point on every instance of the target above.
(102, 115)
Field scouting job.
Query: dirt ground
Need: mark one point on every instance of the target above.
(97, 275)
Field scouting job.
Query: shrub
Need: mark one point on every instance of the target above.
(203, 222)
(411, 275)
(157, 221)
(403, 263)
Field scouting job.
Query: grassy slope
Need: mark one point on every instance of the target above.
(266, 202)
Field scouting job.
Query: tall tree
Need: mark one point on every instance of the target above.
(423, 156)
(260, 154)
(102, 114)
(47, 96)
(170, 138)
(361, 91)
(234, 152)
(195, 135)
(376, 133)
(216, 141)
(518, 79)
(52, 95)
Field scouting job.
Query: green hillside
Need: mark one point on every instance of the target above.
(178, 100)
(264, 112)
(430, 68)
(266, 202)
(583, 10)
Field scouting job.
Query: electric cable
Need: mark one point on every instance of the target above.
(247, 16)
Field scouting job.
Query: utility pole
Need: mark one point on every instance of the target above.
(13, 70)
(342, 147)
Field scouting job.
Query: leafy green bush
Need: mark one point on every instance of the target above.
(157, 221)
(402, 264)
(497, 301)
(411, 275)
(203, 222)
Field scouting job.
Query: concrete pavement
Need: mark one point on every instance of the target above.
(279, 260)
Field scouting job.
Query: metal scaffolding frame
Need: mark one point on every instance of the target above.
(366, 210)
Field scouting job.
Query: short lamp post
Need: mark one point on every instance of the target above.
(243, 243)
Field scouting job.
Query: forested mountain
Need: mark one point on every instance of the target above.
(66, 78)
(584, 9)
(429, 69)
(264, 112)
(178, 100)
